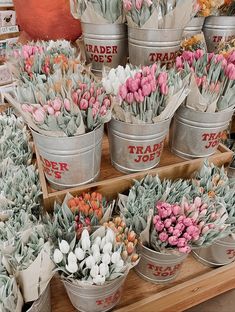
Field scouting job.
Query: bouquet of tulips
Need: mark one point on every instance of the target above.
(212, 82)
(155, 14)
(94, 259)
(10, 296)
(98, 12)
(40, 59)
(69, 103)
(146, 95)
(186, 226)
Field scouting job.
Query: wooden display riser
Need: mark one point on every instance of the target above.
(196, 283)
(111, 181)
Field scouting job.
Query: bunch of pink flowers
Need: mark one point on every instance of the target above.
(213, 73)
(187, 226)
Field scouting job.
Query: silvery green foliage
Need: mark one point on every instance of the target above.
(94, 259)
(14, 139)
(8, 293)
(144, 195)
(19, 188)
(62, 224)
(109, 10)
(26, 251)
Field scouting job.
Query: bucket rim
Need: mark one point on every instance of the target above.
(183, 107)
(67, 137)
(163, 254)
(121, 25)
(139, 125)
(156, 30)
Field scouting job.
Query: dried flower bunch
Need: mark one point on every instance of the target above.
(193, 43)
(147, 94)
(228, 8)
(124, 236)
(109, 11)
(213, 80)
(40, 59)
(70, 103)
(186, 226)
(227, 49)
(208, 7)
(20, 188)
(93, 259)
(14, 142)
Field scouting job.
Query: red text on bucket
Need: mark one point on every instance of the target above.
(54, 168)
(164, 271)
(106, 302)
(230, 253)
(213, 139)
(166, 58)
(101, 54)
(146, 154)
(219, 38)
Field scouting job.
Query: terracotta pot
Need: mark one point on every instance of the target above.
(47, 19)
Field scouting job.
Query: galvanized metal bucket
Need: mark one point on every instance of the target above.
(105, 45)
(217, 28)
(197, 134)
(158, 267)
(70, 161)
(135, 147)
(43, 304)
(94, 298)
(194, 27)
(222, 252)
(231, 171)
(147, 46)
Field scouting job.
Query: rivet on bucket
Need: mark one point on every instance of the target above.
(157, 267)
(221, 252)
(95, 298)
(43, 304)
(105, 45)
(197, 134)
(147, 46)
(136, 147)
(218, 28)
(70, 161)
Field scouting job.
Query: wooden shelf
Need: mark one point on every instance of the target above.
(195, 283)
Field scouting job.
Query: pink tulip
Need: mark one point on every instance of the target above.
(137, 76)
(146, 89)
(138, 4)
(167, 223)
(130, 98)
(39, 115)
(27, 108)
(56, 104)
(107, 102)
(83, 104)
(144, 81)
(205, 229)
(153, 69)
(162, 78)
(97, 105)
(57, 113)
(127, 4)
(67, 105)
(92, 91)
(187, 222)
(170, 229)
(210, 56)
(148, 2)
(123, 92)
(86, 95)
(198, 81)
(173, 240)
(159, 226)
(175, 210)
(99, 91)
(103, 110)
(230, 71)
(176, 233)
(164, 89)
(180, 227)
(187, 236)
(198, 54)
(156, 219)
(231, 57)
(75, 97)
(179, 63)
(153, 85)
(95, 111)
(50, 110)
(146, 70)
(185, 249)
(132, 84)
(92, 101)
(163, 236)
(136, 97)
(181, 242)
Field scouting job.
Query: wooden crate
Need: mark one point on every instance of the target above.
(196, 283)
(111, 182)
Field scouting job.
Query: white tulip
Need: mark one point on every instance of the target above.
(110, 236)
(103, 242)
(72, 258)
(104, 269)
(86, 243)
(119, 266)
(64, 247)
(80, 254)
(115, 257)
(72, 267)
(106, 258)
(99, 280)
(58, 256)
(94, 271)
(85, 234)
(107, 248)
(97, 241)
(95, 248)
(112, 74)
(116, 84)
(97, 256)
(107, 86)
(90, 261)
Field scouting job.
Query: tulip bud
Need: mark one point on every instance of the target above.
(58, 256)
(64, 247)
